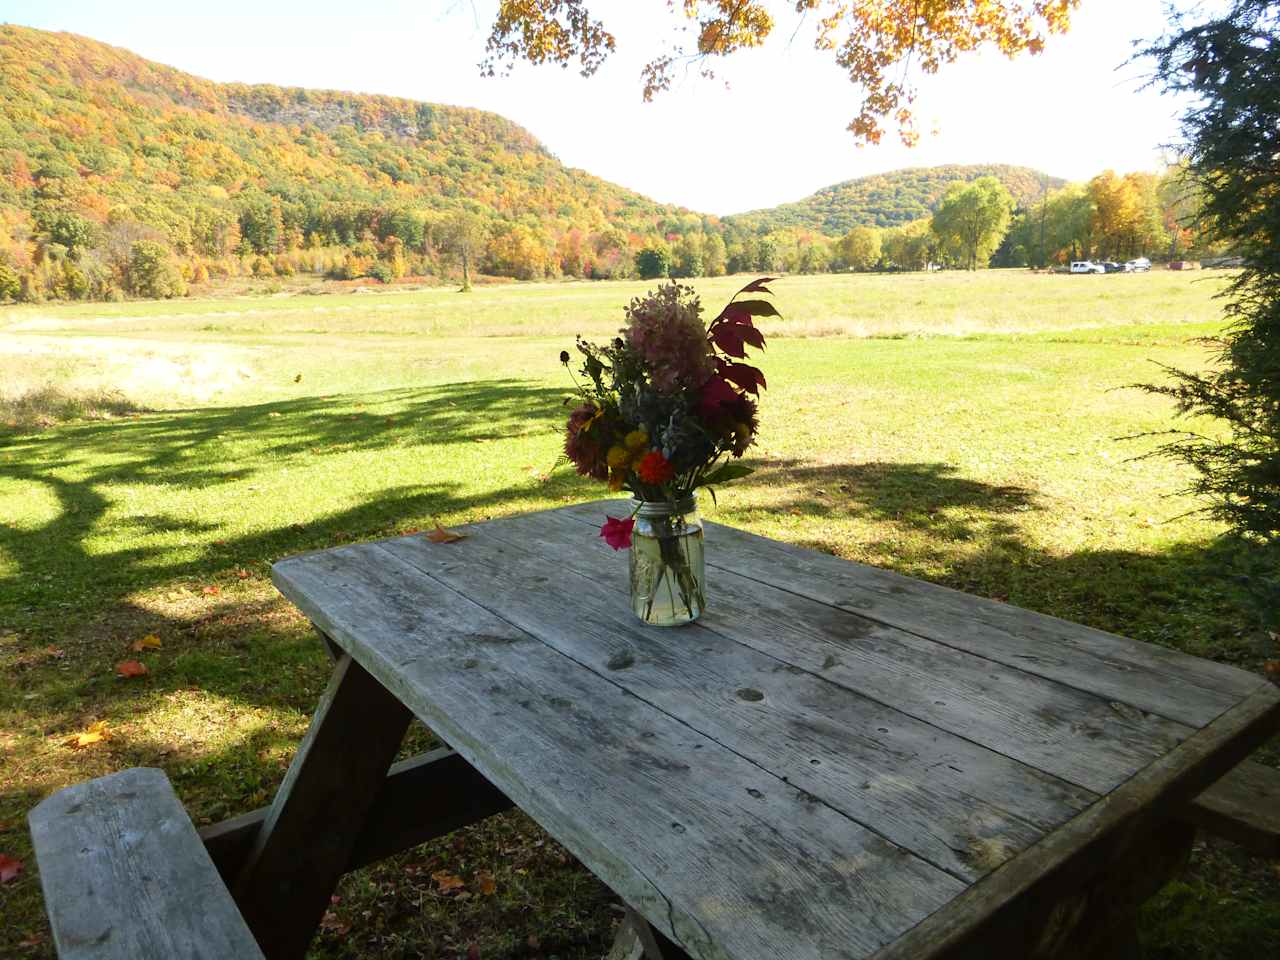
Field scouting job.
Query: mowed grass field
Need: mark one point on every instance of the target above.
(967, 429)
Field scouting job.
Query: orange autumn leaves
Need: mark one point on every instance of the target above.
(129, 669)
(136, 668)
(878, 44)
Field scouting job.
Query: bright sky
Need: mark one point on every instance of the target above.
(776, 134)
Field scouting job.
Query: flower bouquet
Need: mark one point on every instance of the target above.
(662, 411)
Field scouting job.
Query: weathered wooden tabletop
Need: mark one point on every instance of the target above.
(835, 761)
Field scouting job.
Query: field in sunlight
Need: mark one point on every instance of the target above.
(961, 428)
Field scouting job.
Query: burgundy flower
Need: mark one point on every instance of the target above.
(585, 452)
(617, 533)
(716, 397)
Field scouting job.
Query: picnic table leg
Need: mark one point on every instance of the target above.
(1100, 922)
(638, 939)
(305, 842)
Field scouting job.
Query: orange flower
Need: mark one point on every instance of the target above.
(655, 469)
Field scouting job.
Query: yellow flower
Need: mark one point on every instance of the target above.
(636, 441)
(616, 478)
(618, 457)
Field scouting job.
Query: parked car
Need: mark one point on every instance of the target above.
(1139, 265)
(1087, 266)
(1110, 266)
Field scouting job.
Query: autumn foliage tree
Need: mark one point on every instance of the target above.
(877, 44)
(973, 219)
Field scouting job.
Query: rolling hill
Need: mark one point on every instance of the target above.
(93, 137)
(891, 199)
(123, 176)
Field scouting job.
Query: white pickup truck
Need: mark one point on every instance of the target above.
(1087, 266)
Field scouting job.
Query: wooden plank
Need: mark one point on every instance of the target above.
(1244, 806)
(1165, 682)
(1070, 734)
(126, 878)
(422, 798)
(1003, 907)
(958, 806)
(722, 856)
(307, 838)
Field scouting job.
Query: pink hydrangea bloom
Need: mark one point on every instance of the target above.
(665, 329)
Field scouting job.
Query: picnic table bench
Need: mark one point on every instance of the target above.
(836, 761)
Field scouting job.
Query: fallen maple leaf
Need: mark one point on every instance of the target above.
(441, 535)
(210, 590)
(131, 668)
(447, 882)
(96, 733)
(149, 642)
(486, 884)
(9, 868)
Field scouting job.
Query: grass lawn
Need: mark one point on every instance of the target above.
(963, 429)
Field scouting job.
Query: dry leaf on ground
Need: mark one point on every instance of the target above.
(447, 882)
(96, 733)
(149, 642)
(9, 868)
(211, 591)
(131, 668)
(486, 884)
(441, 535)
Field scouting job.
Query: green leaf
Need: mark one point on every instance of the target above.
(723, 474)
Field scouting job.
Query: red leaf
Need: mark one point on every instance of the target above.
(131, 668)
(757, 286)
(9, 868)
(732, 332)
(210, 591)
(747, 377)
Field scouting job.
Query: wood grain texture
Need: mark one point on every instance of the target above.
(1006, 906)
(1244, 806)
(724, 857)
(956, 805)
(1067, 733)
(422, 798)
(308, 836)
(125, 877)
(1154, 679)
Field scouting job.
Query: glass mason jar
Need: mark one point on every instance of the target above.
(667, 571)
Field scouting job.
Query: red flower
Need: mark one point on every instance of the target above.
(617, 533)
(655, 469)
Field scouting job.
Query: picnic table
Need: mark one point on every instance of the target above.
(836, 761)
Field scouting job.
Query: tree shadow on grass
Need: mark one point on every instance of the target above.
(82, 468)
(977, 537)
